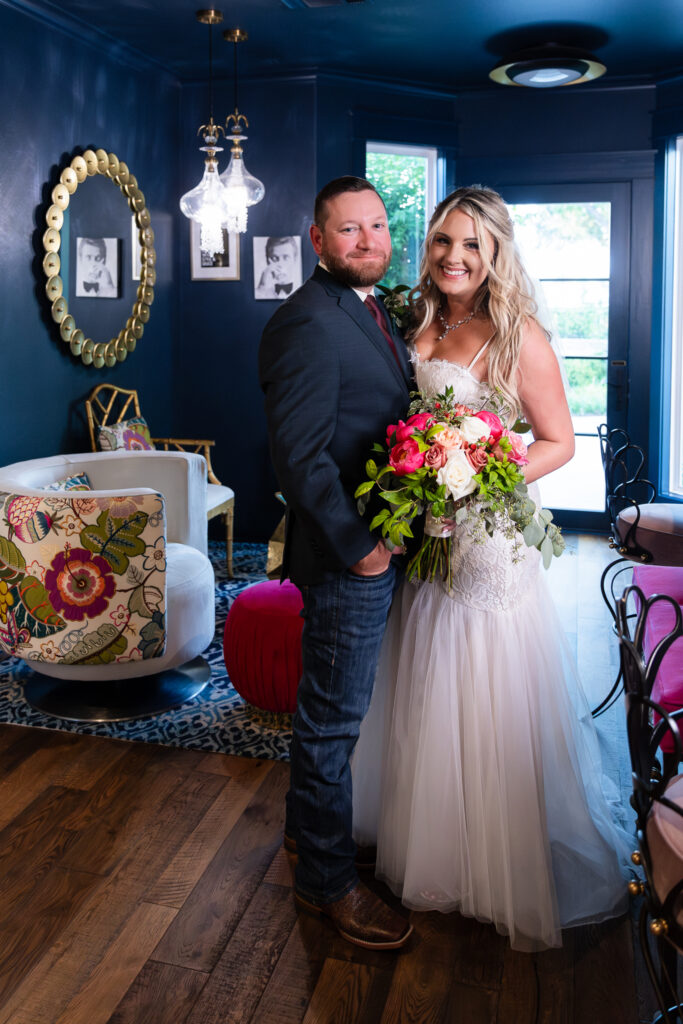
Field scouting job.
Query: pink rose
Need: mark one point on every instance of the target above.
(493, 422)
(450, 437)
(420, 421)
(436, 457)
(463, 410)
(477, 457)
(406, 457)
(518, 449)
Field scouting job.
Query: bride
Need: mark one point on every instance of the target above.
(477, 771)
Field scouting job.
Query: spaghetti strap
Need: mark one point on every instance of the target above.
(479, 353)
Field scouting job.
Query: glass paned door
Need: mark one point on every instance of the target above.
(573, 247)
(566, 249)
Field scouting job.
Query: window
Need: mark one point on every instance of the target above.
(405, 177)
(675, 395)
(566, 247)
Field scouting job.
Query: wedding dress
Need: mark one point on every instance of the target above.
(477, 771)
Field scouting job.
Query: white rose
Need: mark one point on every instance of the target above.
(457, 475)
(472, 428)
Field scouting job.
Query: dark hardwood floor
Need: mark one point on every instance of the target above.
(142, 884)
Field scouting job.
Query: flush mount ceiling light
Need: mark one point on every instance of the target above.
(546, 67)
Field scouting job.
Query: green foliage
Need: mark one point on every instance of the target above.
(400, 180)
(566, 222)
(587, 386)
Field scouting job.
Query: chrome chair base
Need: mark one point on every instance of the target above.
(119, 700)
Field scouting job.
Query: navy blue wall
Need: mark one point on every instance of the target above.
(60, 93)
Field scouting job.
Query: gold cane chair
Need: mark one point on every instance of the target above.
(108, 404)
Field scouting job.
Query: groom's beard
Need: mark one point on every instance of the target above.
(356, 273)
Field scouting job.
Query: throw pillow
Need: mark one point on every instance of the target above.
(132, 434)
(76, 482)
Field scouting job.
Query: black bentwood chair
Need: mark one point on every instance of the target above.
(657, 799)
(640, 529)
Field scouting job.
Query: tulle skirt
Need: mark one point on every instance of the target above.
(478, 771)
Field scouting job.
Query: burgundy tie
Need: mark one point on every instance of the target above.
(376, 313)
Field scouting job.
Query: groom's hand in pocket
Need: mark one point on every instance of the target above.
(376, 562)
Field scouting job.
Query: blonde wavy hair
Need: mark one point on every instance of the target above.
(505, 297)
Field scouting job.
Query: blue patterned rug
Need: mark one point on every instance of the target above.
(218, 719)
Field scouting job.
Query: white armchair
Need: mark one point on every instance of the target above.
(107, 593)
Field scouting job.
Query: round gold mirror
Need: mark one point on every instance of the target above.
(94, 353)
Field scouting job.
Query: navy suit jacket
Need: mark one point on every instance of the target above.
(332, 385)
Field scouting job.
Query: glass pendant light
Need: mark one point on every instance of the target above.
(242, 188)
(206, 204)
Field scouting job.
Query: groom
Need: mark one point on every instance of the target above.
(335, 373)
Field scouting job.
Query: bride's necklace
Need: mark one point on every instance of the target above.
(452, 327)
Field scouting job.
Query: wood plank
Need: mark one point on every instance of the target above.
(26, 779)
(31, 933)
(95, 923)
(518, 1002)
(467, 1004)
(242, 972)
(419, 992)
(19, 839)
(31, 854)
(103, 843)
(124, 959)
(231, 765)
(160, 993)
(199, 849)
(342, 993)
(281, 870)
(293, 981)
(604, 973)
(210, 914)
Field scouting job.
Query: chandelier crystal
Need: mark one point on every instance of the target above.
(206, 203)
(242, 188)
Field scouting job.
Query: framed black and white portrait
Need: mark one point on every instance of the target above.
(222, 266)
(277, 266)
(97, 268)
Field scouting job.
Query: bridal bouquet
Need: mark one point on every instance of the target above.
(458, 465)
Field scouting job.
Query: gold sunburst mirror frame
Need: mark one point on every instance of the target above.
(98, 354)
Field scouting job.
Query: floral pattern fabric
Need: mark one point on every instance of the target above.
(75, 482)
(82, 580)
(132, 434)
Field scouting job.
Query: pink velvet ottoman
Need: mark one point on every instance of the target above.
(262, 644)
(668, 686)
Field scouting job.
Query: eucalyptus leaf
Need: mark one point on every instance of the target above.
(533, 534)
(547, 552)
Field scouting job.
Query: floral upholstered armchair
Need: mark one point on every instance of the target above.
(104, 574)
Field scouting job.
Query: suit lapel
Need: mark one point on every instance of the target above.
(353, 307)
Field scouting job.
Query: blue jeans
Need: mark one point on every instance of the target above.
(344, 621)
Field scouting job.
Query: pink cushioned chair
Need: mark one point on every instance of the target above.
(657, 791)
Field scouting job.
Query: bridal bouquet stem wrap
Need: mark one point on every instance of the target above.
(460, 466)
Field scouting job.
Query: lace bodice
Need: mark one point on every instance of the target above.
(488, 573)
(434, 375)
